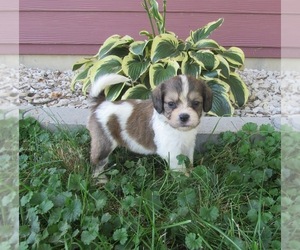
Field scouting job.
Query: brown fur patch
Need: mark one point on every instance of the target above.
(201, 87)
(101, 146)
(115, 129)
(139, 124)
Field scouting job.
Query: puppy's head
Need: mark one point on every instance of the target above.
(181, 100)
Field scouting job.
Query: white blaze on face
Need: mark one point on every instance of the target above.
(185, 90)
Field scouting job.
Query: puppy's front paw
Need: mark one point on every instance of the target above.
(99, 177)
(187, 174)
(179, 173)
(101, 180)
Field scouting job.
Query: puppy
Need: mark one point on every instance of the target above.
(165, 125)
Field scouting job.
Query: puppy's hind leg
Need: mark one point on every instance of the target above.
(101, 147)
(100, 152)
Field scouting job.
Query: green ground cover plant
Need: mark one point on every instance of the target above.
(290, 204)
(231, 200)
(9, 199)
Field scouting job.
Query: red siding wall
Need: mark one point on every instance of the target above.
(9, 27)
(290, 35)
(80, 27)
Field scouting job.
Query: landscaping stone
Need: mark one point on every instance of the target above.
(52, 89)
(271, 93)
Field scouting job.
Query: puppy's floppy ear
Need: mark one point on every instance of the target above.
(207, 97)
(157, 98)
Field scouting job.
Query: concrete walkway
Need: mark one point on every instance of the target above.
(210, 127)
(73, 117)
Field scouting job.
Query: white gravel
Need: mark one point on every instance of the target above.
(271, 92)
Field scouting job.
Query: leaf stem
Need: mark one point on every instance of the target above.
(164, 16)
(145, 5)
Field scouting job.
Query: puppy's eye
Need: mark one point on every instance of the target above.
(195, 104)
(172, 105)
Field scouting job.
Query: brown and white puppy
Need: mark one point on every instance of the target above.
(166, 125)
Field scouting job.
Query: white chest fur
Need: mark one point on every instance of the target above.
(172, 142)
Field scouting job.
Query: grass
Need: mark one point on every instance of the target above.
(230, 201)
(9, 185)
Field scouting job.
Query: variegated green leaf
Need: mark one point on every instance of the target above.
(224, 66)
(108, 65)
(124, 40)
(139, 91)
(135, 66)
(235, 56)
(85, 85)
(204, 32)
(188, 46)
(181, 53)
(209, 75)
(146, 33)
(207, 44)
(81, 62)
(111, 43)
(238, 89)
(205, 58)
(107, 46)
(221, 102)
(165, 46)
(81, 75)
(171, 33)
(113, 92)
(138, 47)
(160, 72)
(190, 67)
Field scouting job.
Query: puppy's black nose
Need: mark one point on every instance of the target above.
(184, 117)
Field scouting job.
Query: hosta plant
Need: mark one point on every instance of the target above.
(161, 56)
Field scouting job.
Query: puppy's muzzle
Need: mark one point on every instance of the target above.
(184, 117)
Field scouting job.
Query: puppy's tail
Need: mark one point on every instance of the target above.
(97, 89)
